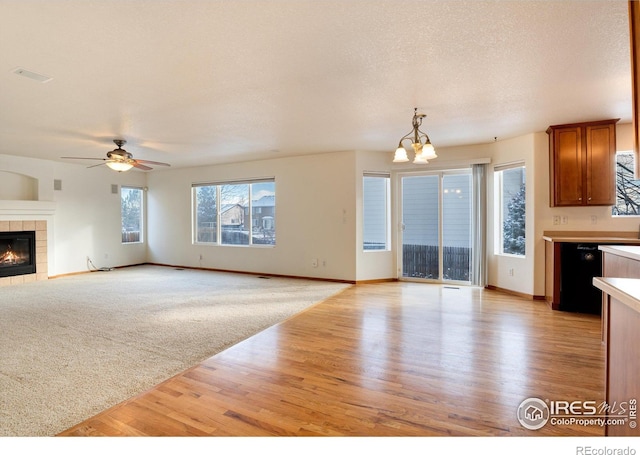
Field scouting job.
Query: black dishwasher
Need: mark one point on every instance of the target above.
(580, 262)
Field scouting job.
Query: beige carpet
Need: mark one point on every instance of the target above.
(74, 346)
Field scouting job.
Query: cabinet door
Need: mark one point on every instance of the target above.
(567, 162)
(601, 146)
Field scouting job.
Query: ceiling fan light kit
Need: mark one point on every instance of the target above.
(420, 142)
(120, 166)
(120, 160)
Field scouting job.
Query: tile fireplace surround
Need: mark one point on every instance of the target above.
(40, 227)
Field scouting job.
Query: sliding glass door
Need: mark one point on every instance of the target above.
(436, 234)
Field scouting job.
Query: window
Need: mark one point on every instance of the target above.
(132, 206)
(375, 204)
(627, 186)
(234, 200)
(511, 209)
(206, 209)
(235, 213)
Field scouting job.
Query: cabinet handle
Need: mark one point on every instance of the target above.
(579, 198)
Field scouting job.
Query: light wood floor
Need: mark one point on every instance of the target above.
(381, 359)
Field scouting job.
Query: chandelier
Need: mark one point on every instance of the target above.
(420, 142)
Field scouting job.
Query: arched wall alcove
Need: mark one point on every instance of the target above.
(18, 187)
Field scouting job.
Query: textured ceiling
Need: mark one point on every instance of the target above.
(198, 82)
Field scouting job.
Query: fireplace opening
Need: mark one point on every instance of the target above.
(17, 253)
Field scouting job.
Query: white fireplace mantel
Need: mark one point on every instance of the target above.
(24, 208)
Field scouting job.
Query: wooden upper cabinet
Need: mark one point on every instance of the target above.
(582, 163)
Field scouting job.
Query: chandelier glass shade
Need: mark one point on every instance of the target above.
(420, 142)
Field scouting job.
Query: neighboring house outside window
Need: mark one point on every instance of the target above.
(132, 209)
(264, 217)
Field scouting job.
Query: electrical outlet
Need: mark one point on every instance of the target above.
(556, 219)
(564, 219)
(510, 272)
(201, 257)
(594, 219)
(314, 263)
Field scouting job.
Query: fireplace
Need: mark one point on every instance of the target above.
(17, 253)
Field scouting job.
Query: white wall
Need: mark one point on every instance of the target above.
(499, 266)
(315, 217)
(83, 219)
(87, 221)
(318, 213)
(18, 187)
(372, 265)
(38, 170)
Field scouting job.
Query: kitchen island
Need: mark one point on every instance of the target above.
(618, 261)
(621, 334)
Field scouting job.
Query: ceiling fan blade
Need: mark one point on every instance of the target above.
(79, 158)
(157, 163)
(137, 165)
(96, 165)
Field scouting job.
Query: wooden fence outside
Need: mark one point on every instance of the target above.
(421, 261)
(130, 236)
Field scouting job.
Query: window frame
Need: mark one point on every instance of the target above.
(387, 211)
(633, 166)
(141, 236)
(247, 217)
(499, 205)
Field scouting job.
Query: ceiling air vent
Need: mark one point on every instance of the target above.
(31, 75)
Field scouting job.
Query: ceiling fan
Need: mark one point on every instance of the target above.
(120, 160)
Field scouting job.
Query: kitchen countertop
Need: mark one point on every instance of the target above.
(628, 238)
(625, 290)
(627, 251)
